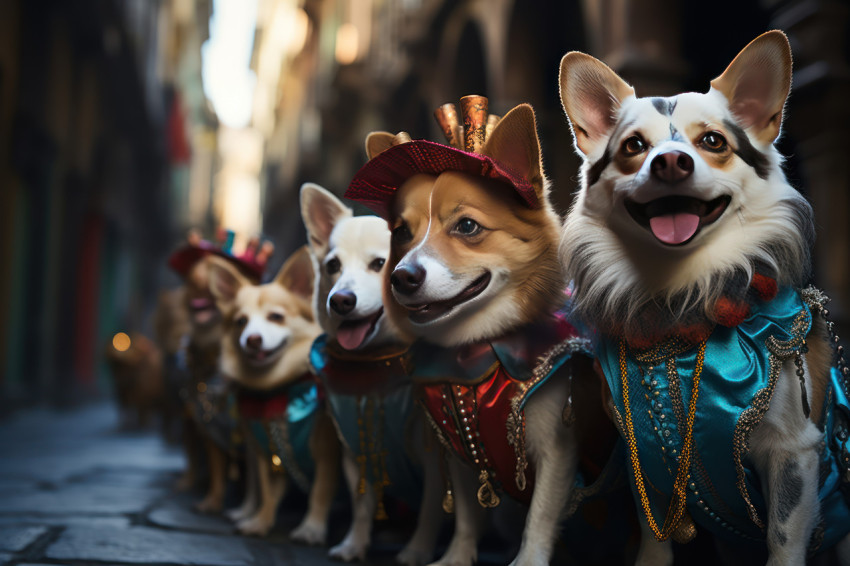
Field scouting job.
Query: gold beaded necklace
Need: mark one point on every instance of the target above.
(677, 504)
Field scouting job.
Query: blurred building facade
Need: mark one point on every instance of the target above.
(103, 128)
(366, 65)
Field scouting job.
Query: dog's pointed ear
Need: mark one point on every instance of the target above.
(297, 274)
(225, 281)
(591, 94)
(321, 211)
(514, 143)
(378, 142)
(757, 82)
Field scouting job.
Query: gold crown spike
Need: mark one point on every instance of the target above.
(446, 116)
(492, 120)
(474, 109)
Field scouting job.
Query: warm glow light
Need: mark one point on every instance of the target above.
(346, 44)
(121, 342)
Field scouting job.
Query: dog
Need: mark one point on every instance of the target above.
(688, 249)
(475, 273)
(361, 363)
(207, 425)
(209, 405)
(136, 367)
(268, 331)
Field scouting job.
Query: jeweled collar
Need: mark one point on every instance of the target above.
(266, 404)
(356, 373)
(517, 352)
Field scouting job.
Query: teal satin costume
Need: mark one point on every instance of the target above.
(281, 424)
(381, 408)
(741, 367)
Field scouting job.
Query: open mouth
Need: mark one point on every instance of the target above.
(424, 313)
(352, 333)
(203, 310)
(676, 220)
(262, 357)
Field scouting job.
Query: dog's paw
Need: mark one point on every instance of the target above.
(254, 527)
(530, 560)
(237, 514)
(309, 533)
(349, 551)
(456, 559)
(210, 505)
(412, 556)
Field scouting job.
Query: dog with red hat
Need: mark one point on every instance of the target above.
(210, 427)
(505, 377)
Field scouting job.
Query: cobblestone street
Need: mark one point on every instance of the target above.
(76, 490)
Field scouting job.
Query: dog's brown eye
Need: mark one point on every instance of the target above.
(242, 321)
(633, 145)
(377, 264)
(401, 235)
(467, 227)
(333, 266)
(713, 141)
(275, 317)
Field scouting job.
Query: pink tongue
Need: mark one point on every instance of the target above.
(674, 228)
(350, 337)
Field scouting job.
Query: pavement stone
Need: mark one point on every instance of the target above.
(140, 545)
(16, 539)
(90, 521)
(81, 499)
(178, 515)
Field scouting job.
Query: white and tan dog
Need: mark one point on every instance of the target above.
(475, 274)
(686, 235)
(350, 254)
(268, 332)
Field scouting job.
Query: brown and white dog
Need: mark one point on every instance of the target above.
(350, 255)
(202, 353)
(268, 330)
(474, 260)
(683, 233)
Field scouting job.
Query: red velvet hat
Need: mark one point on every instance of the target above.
(252, 263)
(376, 182)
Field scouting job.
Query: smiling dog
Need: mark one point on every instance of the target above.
(689, 249)
(290, 438)
(475, 274)
(361, 361)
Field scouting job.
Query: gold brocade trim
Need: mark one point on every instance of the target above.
(515, 423)
(779, 352)
(441, 437)
(663, 351)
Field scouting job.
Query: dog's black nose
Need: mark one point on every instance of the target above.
(343, 302)
(407, 279)
(672, 166)
(254, 341)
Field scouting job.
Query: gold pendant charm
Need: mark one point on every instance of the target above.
(686, 530)
(277, 464)
(486, 494)
(381, 512)
(449, 502)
